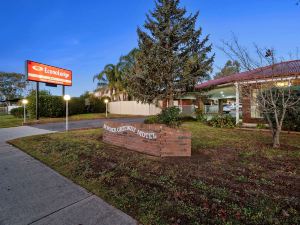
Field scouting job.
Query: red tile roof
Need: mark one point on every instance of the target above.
(288, 68)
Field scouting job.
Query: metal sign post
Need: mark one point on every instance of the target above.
(37, 101)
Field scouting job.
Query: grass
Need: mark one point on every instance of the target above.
(233, 176)
(11, 121)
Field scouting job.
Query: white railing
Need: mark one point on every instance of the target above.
(211, 109)
(187, 109)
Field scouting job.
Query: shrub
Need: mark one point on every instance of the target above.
(97, 105)
(170, 117)
(50, 106)
(292, 119)
(77, 106)
(261, 126)
(187, 118)
(17, 112)
(222, 121)
(54, 106)
(151, 120)
(200, 116)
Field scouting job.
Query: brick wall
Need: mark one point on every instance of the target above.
(246, 109)
(168, 141)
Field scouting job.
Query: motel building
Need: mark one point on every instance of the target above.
(227, 94)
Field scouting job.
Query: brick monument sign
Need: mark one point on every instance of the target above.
(151, 139)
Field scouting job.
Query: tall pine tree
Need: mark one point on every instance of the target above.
(172, 57)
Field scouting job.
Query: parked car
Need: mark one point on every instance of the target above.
(230, 107)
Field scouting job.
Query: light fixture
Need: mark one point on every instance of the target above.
(106, 102)
(67, 98)
(24, 102)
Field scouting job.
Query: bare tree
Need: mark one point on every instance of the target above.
(270, 86)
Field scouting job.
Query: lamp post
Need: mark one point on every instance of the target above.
(67, 98)
(106, 102)
(24, 102)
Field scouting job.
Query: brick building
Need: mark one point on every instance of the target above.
(223, 95)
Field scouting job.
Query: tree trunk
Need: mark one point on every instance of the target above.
(276, 138)
(171, 100)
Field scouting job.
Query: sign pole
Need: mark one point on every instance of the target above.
(37, 107)
(67, 115)
(63, 90)
(24, 105)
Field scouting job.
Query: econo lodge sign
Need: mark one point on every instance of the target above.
(48, 74)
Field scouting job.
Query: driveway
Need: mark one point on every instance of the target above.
(32, 193)
(84, 124)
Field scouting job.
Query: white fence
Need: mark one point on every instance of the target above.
(133, 108)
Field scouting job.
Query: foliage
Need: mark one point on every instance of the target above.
(54, 106)
(111, 77)
(186, 118)
(170, 116)
(231, 67)
(200, 116)
(17, 112)
(50, 106)
(97, 105)
(151, 120)
(11, 85)
(222, 121)
(171, 57)
(261, 126)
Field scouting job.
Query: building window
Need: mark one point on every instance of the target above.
(255, 112)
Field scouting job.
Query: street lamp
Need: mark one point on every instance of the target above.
(24, 102)
(106, 102)
(67, 98)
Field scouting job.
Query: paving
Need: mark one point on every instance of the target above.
(81, 124)
(32, 193)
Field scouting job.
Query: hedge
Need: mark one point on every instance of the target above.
(54, 106)
(17, 112)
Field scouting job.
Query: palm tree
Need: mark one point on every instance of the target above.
(111, 78)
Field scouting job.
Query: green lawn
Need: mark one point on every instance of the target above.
(11, 121)
(233, 176)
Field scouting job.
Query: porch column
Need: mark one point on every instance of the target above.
(220, 102)
(237, 103)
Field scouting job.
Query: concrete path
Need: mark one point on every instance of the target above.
(32, 193)
(84, 124)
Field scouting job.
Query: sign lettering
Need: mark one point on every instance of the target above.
(146, 135)
(48, 74)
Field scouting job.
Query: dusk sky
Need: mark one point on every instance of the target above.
(83, 36)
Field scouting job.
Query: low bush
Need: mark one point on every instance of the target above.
(151, 120)
(292, 119)
(170, 117)
(17, 112)
(77, 106)
(222, 121)
(200, 116)
(261, 126)
(187, 118)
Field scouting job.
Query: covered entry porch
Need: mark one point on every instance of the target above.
(223, 99)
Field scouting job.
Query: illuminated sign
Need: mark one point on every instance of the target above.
(48, 74)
